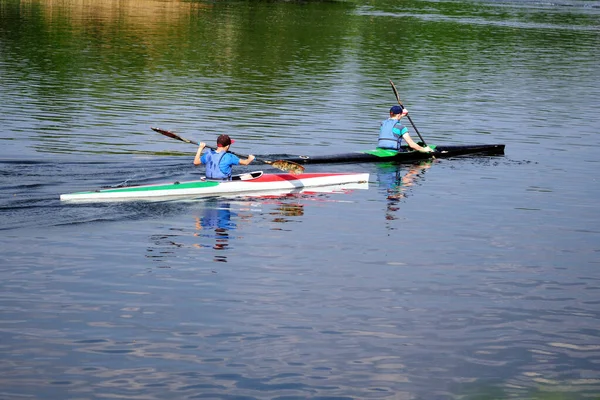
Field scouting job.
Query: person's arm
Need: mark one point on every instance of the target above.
(197, 160)
(413, 145)
(247, 160)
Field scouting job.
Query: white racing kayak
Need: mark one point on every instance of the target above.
(244, 184)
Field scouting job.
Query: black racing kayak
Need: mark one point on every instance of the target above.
(383, 155)
(290, 162)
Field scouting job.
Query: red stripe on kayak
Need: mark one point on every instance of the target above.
(291, 177)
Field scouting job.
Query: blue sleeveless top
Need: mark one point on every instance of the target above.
(213, 168)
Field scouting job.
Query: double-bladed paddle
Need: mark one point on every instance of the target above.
(411, 122)
(288, 166)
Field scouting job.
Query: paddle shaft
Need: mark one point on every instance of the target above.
(408, 116)
(176, 136)
(279, 164)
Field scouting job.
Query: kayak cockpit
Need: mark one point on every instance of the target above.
(248, 176)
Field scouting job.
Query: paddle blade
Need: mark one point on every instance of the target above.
(172, 135)
(288, 166)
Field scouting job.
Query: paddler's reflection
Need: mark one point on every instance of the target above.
(397, 179)
(216, 223)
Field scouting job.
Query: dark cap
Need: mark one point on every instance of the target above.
(396, 110)
(224, 140)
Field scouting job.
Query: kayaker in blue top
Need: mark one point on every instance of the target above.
(392, 132)
(219, 162)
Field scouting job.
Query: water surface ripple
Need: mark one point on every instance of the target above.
(471, 278)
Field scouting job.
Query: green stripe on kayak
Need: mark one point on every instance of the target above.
(379, 152)
(382, 152)
(171, 186)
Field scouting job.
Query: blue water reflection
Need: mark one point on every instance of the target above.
(215, 223)
(470, 278)
(398, 180)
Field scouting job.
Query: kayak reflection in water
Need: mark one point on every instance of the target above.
(397, 180)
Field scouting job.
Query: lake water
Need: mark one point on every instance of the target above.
(470, 278)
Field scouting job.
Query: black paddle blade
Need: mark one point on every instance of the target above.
(288, 166)
(172, 135)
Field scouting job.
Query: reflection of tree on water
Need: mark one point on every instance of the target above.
(397, 179)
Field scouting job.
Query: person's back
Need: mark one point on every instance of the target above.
(218, 165)
(392, 132)
(219, 162)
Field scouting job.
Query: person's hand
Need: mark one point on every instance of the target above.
(202, 145)
(251, 158)
(404, 112)
(427, 149)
